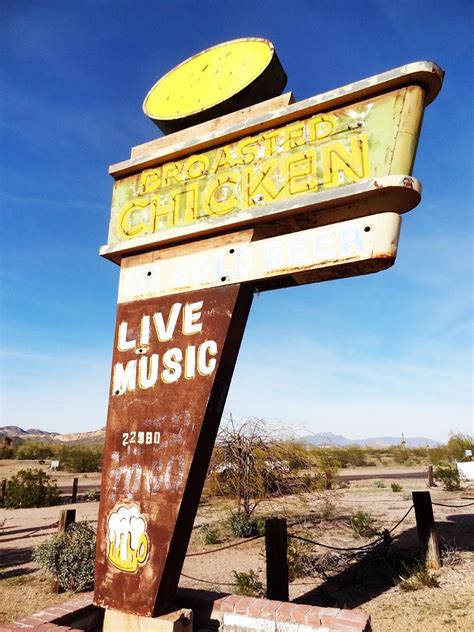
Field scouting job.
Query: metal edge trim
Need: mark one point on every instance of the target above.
(427, 73)
(355, 191)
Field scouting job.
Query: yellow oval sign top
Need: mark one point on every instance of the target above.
(217, 81)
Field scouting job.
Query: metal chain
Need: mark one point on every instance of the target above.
(454, 506)
(228, 546)
(205, 581)
(352, 548)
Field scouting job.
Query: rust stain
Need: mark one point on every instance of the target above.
(173, 360)
(408, 182)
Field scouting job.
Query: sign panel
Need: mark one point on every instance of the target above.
(283, 170)
(172, 365)
(368, 244)
(216, 81)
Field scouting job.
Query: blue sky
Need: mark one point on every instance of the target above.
(379, 355)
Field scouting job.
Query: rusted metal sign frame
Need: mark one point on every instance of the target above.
(168, 389)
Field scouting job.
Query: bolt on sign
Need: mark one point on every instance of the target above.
(251, 191)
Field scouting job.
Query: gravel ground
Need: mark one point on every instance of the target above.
(324, 518)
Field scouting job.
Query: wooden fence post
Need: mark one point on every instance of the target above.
(426, 529)
(276, 547)
(430, 476)
(3, 489)
(66, 517)
(75, 483)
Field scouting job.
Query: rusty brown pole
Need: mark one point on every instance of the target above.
(75, 483)
(431, 482)
(426, 526)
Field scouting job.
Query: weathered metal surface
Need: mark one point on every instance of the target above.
(172, 365)
(315, 209)
(195, 134)
(325, 161)
(370, 243)
(423, 73)
(219, 80)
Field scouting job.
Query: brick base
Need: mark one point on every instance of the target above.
(213, 612)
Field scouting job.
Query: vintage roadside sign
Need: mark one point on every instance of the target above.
(276, 194)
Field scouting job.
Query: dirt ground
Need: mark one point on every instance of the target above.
(366, 582)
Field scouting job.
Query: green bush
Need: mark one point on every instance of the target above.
(452, 451)
(457, 446)
(243, 526)
(92, 495)
(69, 556)
(352, 456)
(33, 450)
(379, 484)
(31, 488)
(400, 454)
(448, 475)
(364, 524)
(77, 459)
(209, 534)
(396, 487)
(248, 584)
(299, 555)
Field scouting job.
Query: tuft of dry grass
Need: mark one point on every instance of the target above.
(416, 577)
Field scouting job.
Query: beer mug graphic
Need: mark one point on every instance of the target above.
(127, 541)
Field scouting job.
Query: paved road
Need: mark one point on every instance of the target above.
(65, 490)
(379, 474)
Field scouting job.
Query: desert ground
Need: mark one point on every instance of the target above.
(326, 577)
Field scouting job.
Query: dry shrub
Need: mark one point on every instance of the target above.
(248, 584)
(416, 577)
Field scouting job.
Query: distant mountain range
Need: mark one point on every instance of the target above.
(15, 432)
(330, 439)
(320, 439)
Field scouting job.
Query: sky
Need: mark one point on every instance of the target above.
(369, 356)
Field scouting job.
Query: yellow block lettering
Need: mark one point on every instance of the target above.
(341, 166)
(302, 172)
(223, 158)
(150, 180)
(261, 187)
(294, 135)
(171, 172)
(196, 166)
(271, 141)
(134, 218)
(218, 196)
(165, 211)
(247, 149)
(321, 126)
